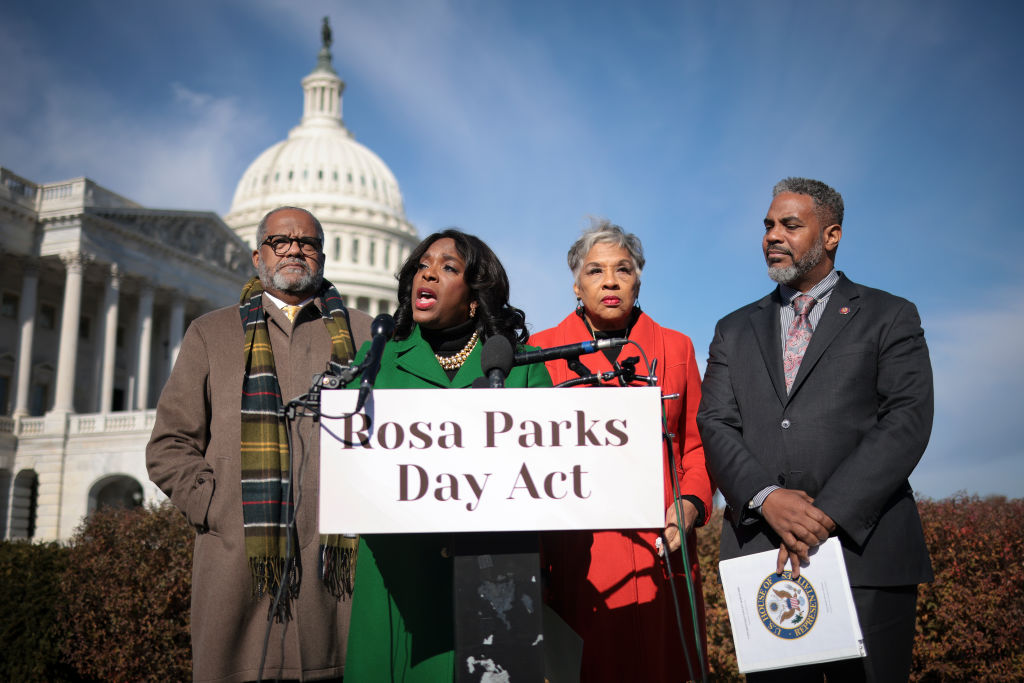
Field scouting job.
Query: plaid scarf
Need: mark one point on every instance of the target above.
(266, 489)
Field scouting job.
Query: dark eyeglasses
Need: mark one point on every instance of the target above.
(282, 244)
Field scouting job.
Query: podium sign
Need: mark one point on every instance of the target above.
(429, 460)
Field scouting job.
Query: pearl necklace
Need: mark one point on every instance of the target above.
(455, 362)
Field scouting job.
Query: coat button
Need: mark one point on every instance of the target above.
(786, 423)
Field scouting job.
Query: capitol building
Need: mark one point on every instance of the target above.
(97, 292)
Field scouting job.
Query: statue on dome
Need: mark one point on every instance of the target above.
(325, 33)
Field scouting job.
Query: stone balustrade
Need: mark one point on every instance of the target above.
(77, 425)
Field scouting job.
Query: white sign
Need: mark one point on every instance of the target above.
(428, 460)
(778, 621)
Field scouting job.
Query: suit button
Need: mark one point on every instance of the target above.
(785, 423)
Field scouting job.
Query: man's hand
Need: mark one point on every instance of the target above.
(799, 524)
(784, 557)
(672, 528)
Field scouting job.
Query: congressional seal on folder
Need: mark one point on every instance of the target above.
(780, 621)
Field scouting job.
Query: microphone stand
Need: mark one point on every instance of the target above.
(334, 376)
(625, 372)
(497, 598)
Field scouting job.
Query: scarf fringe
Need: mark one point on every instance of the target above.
(267, 574)
(338, 566)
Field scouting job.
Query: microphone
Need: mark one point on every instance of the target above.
(568, 351)
(381, 329)
(496, 360)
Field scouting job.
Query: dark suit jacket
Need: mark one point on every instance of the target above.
(849, 433)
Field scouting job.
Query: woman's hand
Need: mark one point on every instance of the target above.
(672, 534)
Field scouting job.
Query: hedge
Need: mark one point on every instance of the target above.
(970, 620)
(114, 604)
(126, 595)
(30, 629)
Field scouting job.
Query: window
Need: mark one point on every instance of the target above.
(47, 316)
(24, 501)
(120, 336)
(37, 399)
(373, 252)
(9, 307)
(84, 327)
(337, 248)
(355, 250)
(118, 491)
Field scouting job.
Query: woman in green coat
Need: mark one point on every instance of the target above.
(452, 296)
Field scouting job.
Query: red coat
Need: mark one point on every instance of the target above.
(610, 586)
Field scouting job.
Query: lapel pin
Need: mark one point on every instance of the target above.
(844, 310)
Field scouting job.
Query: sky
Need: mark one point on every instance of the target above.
(519, 121)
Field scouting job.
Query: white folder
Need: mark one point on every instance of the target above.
(778, 621)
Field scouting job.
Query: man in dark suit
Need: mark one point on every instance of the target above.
(817, 406)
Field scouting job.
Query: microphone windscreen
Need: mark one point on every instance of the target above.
(497, 354)
(384, 325)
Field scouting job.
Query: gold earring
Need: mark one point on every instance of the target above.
(472, 310)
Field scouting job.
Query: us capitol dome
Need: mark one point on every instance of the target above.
(321, 167)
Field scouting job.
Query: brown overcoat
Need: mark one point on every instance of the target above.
(194, 457)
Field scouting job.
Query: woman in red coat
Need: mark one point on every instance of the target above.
(612, 587)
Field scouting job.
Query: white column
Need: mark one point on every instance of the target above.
(67, 356)
(177, 329)
(111, 297)
(27, 326)
(144, 334)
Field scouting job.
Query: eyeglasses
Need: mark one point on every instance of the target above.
(282, 244)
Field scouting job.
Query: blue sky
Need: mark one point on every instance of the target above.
(519, 120)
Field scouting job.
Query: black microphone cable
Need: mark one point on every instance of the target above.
(294, 493)
(676, 495)
(306, 405)
(652, 380)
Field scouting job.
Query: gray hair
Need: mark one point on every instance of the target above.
(602, 230)
(261, 230)
(828, 203)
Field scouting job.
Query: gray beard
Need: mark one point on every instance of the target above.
(310, 281)
(786, 274)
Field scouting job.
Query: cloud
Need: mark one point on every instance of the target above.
(180, 151)
(976, 440)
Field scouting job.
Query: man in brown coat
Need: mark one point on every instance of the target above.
(196, 457)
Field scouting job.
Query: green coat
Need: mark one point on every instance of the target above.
(402, 627)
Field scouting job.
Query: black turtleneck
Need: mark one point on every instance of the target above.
(612, 354)
(450, 340)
